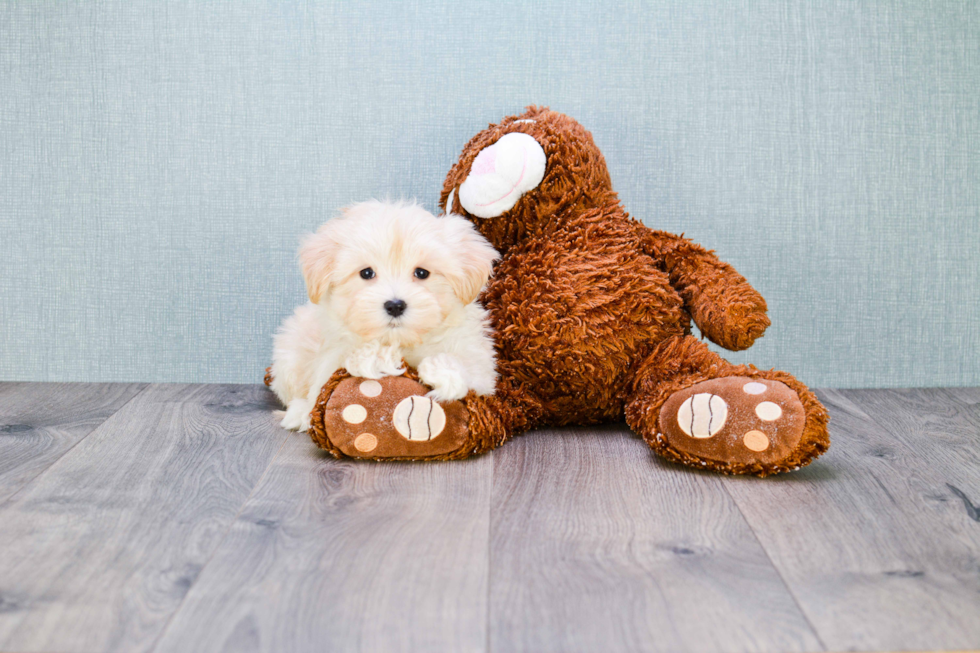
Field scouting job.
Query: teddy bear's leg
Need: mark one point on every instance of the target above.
(694, 407)
(392, 419)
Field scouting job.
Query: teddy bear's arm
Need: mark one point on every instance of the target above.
(727, 310)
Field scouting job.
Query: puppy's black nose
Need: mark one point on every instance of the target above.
(395, 307)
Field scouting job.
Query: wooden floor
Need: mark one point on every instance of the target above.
(181, 518)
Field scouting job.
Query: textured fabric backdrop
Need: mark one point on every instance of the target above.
(160, 160)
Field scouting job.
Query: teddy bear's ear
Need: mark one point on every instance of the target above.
(501, 174)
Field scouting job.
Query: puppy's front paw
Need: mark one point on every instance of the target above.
(297, 417)
(444, 374)
(375, 362)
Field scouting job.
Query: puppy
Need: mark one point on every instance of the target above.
(388, 282)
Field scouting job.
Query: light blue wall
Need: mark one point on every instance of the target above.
(160, 160)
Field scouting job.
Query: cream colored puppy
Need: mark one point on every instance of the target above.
(388, 282)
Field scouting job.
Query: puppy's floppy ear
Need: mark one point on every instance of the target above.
(316, 258)
(473, 254)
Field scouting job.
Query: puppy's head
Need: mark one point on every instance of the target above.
(393, 272)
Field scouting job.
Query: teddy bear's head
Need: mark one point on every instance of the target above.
(526, 175)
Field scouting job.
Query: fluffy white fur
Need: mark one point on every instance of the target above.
(443, 333)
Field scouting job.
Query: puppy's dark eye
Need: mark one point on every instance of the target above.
(421, 273)
(367, 273)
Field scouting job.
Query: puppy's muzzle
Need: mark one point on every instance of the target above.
(395, 307)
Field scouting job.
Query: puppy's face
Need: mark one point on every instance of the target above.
(393, 272)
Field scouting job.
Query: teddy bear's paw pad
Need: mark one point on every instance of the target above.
(392, 418)
(734, 419)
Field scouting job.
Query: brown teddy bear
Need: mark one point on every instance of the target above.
(592, 312)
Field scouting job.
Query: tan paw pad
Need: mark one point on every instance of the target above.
(354, 414)
(768, 411)
(756, 440)
(366, 442)
(370, 388)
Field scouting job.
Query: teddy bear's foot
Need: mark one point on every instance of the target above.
(736, 424)
(389, 418)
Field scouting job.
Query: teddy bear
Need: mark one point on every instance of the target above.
(592, 313)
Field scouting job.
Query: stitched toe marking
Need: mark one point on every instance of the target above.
(702, 415)
(419, 418)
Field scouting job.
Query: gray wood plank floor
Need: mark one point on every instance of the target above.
(597, 546)
(181, 518)
(40, 422)
(100, 549)
(873, 542)
(334, 556)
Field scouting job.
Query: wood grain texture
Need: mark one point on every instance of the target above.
(941, 424)
(334, 555)
(99, 550)
(174, 526)
(599, 546)
(39, 422)
(876, 539)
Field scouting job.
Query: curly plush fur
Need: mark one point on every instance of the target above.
(593, 310)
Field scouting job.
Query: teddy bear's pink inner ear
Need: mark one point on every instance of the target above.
(501, 174)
